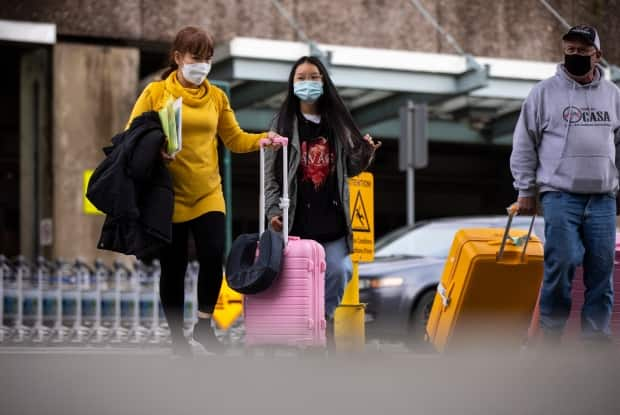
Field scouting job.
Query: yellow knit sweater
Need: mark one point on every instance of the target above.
(195, 172)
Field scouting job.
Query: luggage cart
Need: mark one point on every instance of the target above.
(43, 271)
(159, 333)
(20, 333)
(82, 281)
(137, 333)
(119, 333)
(102, 275)
(61, 276)
(5, 270)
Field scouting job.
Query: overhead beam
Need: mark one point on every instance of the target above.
(249, 93)
(28, 32)
(503, 125)
(255, 119)
(505, 89)
(263, 67)
(386, 108)
(346, 77)
(440, 131)
(388, 70)
(472, 80)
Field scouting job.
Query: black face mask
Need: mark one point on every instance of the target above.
(577, 65)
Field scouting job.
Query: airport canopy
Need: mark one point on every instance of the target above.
(471, 99)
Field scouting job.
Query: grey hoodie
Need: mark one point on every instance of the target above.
(567, 137)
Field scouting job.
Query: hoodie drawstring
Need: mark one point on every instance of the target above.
(588, 98)
(568, 120)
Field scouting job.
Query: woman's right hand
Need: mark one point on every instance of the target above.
(276, 223)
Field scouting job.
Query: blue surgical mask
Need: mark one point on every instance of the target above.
(308, 91)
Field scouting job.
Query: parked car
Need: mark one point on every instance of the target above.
(399, 286)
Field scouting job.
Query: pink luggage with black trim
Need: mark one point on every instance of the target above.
(291, 312)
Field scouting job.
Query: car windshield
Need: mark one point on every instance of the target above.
(432, 240)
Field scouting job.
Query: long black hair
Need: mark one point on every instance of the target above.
(334, 114)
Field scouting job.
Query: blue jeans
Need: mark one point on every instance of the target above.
(337, 275)
(579, 230)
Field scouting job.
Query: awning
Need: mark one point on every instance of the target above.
(467, 102)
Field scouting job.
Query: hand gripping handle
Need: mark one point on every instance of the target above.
(513, 210)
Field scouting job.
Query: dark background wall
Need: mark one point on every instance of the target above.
(9, 153)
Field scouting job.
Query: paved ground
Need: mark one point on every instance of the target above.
(66, 381)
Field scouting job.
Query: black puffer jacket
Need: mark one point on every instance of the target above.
(133, 187)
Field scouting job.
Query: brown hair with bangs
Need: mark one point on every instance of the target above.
(189, 39)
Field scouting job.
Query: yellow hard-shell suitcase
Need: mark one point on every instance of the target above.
(488, 290)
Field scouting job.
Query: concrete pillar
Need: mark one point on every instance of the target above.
(94, 91)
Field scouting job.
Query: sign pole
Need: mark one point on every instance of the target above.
(410, 195)
(412, 148)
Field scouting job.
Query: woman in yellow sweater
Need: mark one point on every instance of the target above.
(198, 199)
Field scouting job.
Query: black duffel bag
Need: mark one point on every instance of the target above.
(247, 274)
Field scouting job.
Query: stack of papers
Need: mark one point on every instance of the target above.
(170, 117)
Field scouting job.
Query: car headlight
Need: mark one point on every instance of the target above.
(380, 282)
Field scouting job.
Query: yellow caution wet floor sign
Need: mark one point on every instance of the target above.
(361, 191)
(359, 216)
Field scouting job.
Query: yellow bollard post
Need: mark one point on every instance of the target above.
(349, 331)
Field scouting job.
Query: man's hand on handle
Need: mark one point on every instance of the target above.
(526, 205)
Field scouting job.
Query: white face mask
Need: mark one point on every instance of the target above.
(196, 73)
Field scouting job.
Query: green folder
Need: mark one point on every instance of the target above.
(170, 117)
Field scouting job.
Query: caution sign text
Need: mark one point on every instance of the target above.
(361, 199)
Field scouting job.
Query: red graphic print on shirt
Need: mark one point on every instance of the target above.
(316, 161)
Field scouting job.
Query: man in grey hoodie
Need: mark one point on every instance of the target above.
(565, 147)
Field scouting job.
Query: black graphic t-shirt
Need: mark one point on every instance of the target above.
(319, 214)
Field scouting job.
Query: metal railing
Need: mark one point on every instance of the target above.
(73, 302)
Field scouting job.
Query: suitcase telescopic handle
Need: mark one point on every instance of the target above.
(284, 200)
(513, 210)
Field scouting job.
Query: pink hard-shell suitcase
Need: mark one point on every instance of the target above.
(292, 311)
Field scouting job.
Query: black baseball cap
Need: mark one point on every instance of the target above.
(585, 33)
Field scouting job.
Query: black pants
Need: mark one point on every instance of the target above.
(208, 232)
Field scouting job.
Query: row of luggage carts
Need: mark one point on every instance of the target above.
(63, 302)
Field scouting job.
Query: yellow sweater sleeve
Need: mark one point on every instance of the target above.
(144, 103)
(233, 137)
